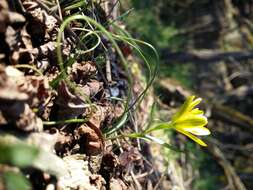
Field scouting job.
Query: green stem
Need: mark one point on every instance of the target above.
(131, 135)
(26, 66)
(65, 121)
(159, 126)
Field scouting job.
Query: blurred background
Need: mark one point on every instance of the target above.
(205, 48)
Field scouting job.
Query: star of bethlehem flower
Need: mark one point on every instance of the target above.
(190, 121)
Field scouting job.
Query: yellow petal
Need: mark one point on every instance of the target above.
(196, 139)
(194, 103)
(201, 131)
(191, 121)
(197, 111)
(184, 108)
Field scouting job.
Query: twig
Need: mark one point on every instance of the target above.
(159, 181)
(232, 116)
(204, 56)
(137, 184)
(60, 15)
(135, 127)
(108, 69)
(109, 13)
(233, 179)
(145, 174)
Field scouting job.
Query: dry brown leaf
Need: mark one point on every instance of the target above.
(4, 16)
(98, 182)
(129, 156)
(81, 72)
(117, 184)
(91, 88)
(14, 100)
(70, 104)
(91, 139)
(41, 23)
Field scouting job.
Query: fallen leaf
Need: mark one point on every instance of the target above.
(70, 104)
(91, 139)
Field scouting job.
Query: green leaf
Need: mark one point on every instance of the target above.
(118, 126)
(15, 181)
(163, 143)
(135, 135)
(75, 5)
(17, 154)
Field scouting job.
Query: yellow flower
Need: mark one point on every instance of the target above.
(190, 121)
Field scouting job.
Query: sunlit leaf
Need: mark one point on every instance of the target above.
(21, 155)
(15, 181)
(163, 143)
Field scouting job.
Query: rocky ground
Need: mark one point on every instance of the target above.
(64, 103)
